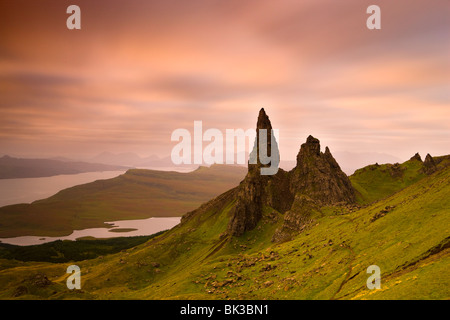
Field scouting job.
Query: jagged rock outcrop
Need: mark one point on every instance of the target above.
(317, 180)
(429, 165)
(302, 214)
(416, 157)
(319, 176)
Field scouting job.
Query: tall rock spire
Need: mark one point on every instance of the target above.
(264, 127)
(257, 189)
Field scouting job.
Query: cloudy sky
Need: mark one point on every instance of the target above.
(138, 70)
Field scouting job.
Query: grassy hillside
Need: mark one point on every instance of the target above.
(137, 194)
(375, 182)
(406, 234)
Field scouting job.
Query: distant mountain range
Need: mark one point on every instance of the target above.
(133, 160)
(128, 158)
(11, 168)
(15, 167)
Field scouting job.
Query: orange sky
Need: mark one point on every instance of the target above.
(137, 70)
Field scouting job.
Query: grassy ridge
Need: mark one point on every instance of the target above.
(375, 182)
(137, 194)
(406, 234)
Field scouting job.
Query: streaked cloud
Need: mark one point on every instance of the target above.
(137, 70)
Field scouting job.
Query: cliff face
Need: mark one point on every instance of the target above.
(301, 215)
(316, 180)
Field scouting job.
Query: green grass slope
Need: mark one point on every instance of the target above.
(375, 182)
(137, 194)
(405, 234)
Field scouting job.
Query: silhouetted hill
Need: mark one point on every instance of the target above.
(136, 161)
(11, 168)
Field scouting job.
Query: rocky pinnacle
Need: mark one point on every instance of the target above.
(251, 194)
(316, 180)
(319, 176)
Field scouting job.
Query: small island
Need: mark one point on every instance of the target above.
(122, 230)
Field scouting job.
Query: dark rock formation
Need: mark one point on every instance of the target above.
(416, 157)
(257, 190)
(319, 176)
(20, 291)
(300, 216)
(38, 280)
(396, 170)
(317, 180)
(248, 209)
(255, 162)
(382, 213)
(429, 166)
